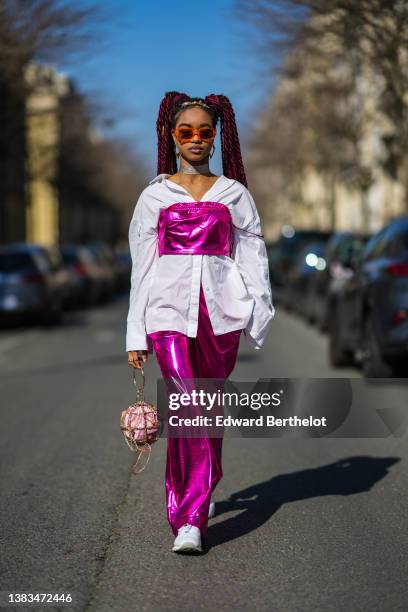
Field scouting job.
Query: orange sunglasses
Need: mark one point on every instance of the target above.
(184, 134)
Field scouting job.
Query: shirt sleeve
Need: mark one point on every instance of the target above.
(249, 252)
(144, 252)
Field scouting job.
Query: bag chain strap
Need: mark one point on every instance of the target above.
(140, 397)
(139, 390)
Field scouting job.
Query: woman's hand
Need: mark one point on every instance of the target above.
(137, 358)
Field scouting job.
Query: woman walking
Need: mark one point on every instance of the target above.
(200, 277)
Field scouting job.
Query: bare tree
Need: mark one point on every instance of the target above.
(308, 124)
(45, 30)
(94, 173)
(54, 31)
(367, 33)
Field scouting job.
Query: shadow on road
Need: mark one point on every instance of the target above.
(260, 501)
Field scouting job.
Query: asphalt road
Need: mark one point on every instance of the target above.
(301, 524)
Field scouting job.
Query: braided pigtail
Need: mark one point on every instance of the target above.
(232, 164)
(219, 107)
(166, 157)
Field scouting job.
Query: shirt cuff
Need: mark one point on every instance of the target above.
(250, 340)
(255, 337)
(136, 337)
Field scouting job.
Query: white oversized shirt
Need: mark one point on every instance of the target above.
(165, 290)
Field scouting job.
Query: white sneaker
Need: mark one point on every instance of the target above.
(211, 510)
(188, 539)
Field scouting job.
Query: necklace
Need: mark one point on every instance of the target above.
(187, 168)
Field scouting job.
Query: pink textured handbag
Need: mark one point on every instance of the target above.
(140, 424)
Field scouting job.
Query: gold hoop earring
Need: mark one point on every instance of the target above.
(212, 150)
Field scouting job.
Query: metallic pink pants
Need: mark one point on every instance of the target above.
(193, 466)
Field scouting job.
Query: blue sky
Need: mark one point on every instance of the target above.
(148, 48)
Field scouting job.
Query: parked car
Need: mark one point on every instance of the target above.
(368, 322)
(33, 282)
(112, 261)
(107, 268)
(284, 255)
(89, 280)
(307, 264)
(340, 253)
(125, 269)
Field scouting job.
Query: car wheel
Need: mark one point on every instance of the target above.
(322, 325)
(323, 320)
(339, 355)
(310, 307)
(373, 363)
(311, 317)
(54, 315)
(399, 368)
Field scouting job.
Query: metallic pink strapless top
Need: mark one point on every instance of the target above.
(195, 227)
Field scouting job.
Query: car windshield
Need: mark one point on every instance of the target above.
(13, 262)
(70, 258)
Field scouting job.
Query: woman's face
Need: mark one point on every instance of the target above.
(195, 150)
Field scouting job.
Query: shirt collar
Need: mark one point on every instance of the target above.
(158, 178)
(218, 187)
